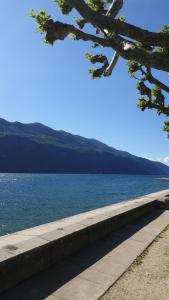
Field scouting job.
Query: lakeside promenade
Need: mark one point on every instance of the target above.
(99, 246)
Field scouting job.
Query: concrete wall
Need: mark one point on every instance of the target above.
(30, 251)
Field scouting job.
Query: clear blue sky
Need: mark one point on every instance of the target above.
(51, 85)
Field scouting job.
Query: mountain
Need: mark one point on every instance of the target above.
(36, 148)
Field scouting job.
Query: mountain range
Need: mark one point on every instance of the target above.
(36, 148)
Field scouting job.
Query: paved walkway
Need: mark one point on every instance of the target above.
(148, 277)
(88, 275)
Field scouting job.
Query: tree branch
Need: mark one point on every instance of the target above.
(112, 64)
(141, 48)
(129, 51)
(59, 31)
(155, 81)
(123, 28)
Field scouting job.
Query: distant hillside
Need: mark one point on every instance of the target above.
(37, 148)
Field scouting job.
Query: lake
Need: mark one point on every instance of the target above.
(27, 200)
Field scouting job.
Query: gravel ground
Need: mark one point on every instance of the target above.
(148, 277)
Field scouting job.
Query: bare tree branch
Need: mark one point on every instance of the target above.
(114, 8)
(112, 64)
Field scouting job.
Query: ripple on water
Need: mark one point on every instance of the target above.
(27, 200)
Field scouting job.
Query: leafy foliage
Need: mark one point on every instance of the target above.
(96, 5)
(64, 6)
(41, 18)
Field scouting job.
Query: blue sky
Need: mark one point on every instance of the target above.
(51, 85)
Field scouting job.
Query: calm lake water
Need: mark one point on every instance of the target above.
(28, 200)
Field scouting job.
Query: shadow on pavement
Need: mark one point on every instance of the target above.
(42, 285)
